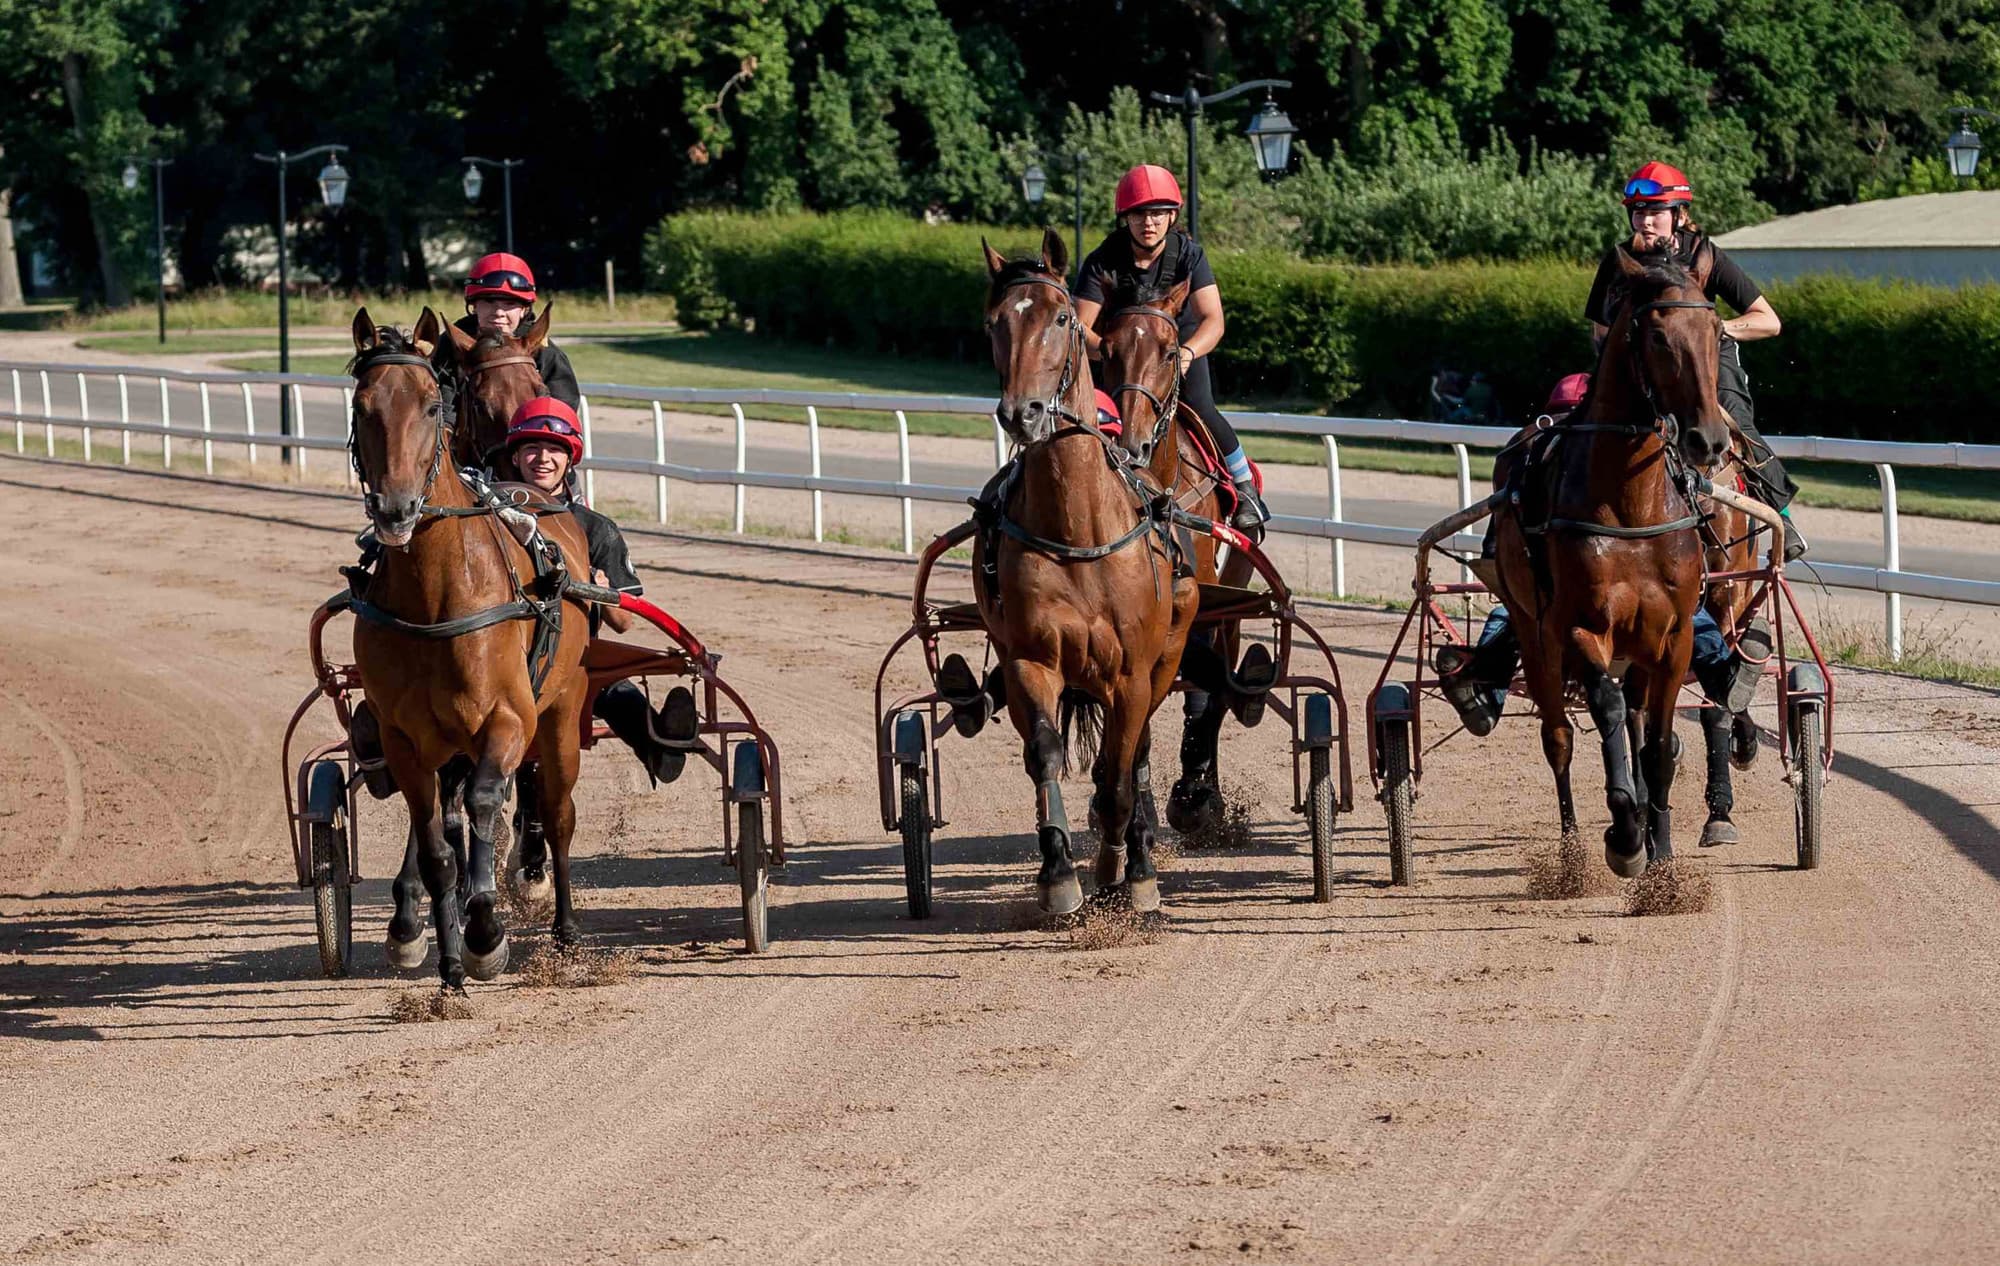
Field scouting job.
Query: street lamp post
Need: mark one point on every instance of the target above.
(475, 180)
(1962, 148)
(130, 179)
(333, 180)
(1270, 134)
(1035, 184)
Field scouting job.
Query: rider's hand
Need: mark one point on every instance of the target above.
(1187, 357)
(599, 578)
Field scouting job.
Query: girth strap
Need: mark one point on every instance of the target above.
(1587, 528)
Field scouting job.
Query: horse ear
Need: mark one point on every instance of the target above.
(454, 343)
(1176, 299)
(1628, 267)
(538, 333)
(994, 260)
(365, 335)
(427, 332)
(1055, 255)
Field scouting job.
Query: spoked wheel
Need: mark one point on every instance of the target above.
(333, 892)
(1810, 782)
(753, 872)
(1321, 805)
(915, 823)
(1398, 798)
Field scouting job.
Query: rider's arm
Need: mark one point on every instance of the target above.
(1759, 320)
(617, 617)
(1086, 316)
(1207, 303)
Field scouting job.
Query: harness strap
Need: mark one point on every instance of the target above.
(519, 609)
(1075, 553)
(1587, 528)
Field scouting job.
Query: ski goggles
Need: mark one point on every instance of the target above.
(545, 424)
(1651, 189)
(505, 279)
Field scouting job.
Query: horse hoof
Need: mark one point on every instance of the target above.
(1719, 831)
(1064, 896)
(1625, 865)
(1110, 866)
(406, 955)
(1144, 894)
(488, 965)
(537, 888)
(1194, 807)
(1743, 743)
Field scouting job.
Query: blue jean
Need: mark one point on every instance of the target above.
(1500, 653)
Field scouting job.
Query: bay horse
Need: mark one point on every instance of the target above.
(1084, 606)
(1599, 561)
(1729, 543)
(445, 632)
(1140, 360)
(496, 375)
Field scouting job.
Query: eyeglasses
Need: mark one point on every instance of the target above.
(1651, 189)
(1155, 213)
(505, 277)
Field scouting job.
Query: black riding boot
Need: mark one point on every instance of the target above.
(622, 706)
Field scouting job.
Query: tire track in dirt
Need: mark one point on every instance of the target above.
(73, 809)
(1693, 1073)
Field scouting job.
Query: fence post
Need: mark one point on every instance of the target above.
(660, 456)
(1892, 560)
(207, 445)
(298, 429)
(1464, 499)
(250, 421)
(1334, 512)
(903, 465)
(742, 455)
(83, 411)
(166, 427)
(812, 443)
(124, 421)
(347, 411)
(589, 475)
(48, 412)
(20, 427)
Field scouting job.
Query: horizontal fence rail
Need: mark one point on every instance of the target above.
(125, 390)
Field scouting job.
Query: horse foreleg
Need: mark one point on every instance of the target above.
(407, 943)
(556, 763)
(1657, 758)
(531, 858)
(1545, 687)
(435, 862)
(453, 776)
(1033, 691)
(1117, 799)
(1195, 803)
(1624, 840)
(1716, 737)
(485, 803)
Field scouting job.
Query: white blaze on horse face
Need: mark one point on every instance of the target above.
(1025, 303)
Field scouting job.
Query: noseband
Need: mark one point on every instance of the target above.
(1058, 403)
(1163, 409)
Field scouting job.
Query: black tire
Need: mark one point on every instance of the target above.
(333, 896)
(753, 873)
(1321, 806)
(915, 824)
(1811, 783)
(1398, 798)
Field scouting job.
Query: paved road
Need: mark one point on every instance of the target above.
(322, 417)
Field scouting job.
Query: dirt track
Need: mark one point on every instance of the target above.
(1453, 1072)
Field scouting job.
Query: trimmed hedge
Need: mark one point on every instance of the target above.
(1856, 358)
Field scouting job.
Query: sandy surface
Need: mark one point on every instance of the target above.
(1451, 1072)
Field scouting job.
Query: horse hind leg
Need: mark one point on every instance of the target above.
(1034, 690)
(407, 943)
(1624, 839)
(1659, 757)
(1716, 727)
(1195, 804)
(1117, 802)
(531, 876)
(485, 931)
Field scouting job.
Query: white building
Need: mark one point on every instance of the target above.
(1939, 239)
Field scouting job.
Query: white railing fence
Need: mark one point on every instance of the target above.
(323, 429)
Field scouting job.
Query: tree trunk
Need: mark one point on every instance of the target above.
(416, 270)
(116, 292)
(10, 263)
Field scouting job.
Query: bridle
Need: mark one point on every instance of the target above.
(1665, 423)
(471, 375)
(375, 358)
(1163, 408)
(1057, 404)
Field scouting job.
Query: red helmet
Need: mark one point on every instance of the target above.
(1658, 185)
(1568, 394)
(1107, 408)
(501, 274)
(545, 418)
(1146, 186)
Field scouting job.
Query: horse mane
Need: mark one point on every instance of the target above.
(1146, 295)
(1014, 270)
(491, 341)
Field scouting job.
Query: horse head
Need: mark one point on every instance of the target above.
(498, 375)
(1037, 343)
(400, 430)
(1663, 349)
(1141, 355)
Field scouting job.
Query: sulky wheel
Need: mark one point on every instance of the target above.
(753, 871)
(333, 891)
(1398, 797)
(1321, 805)
(915, 822)
(1810, 783)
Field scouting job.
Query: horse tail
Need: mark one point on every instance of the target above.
(1082, 728)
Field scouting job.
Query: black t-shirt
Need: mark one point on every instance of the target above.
(1109, 270)
(1726, 281)
(608, 552)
